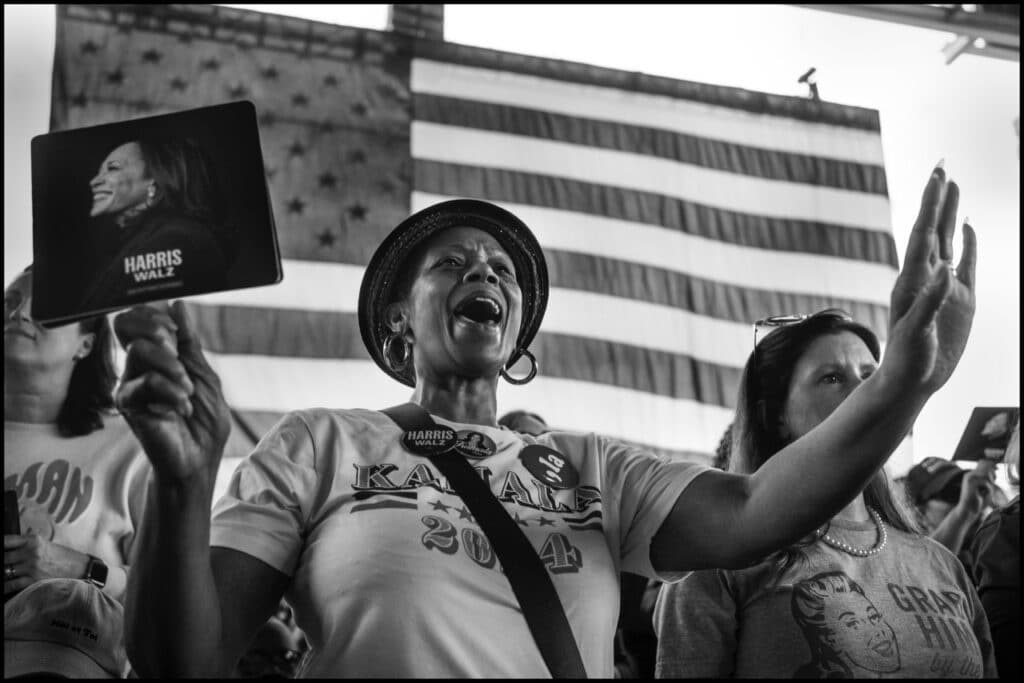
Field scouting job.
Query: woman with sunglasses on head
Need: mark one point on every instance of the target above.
(410, 587)
(866, 594)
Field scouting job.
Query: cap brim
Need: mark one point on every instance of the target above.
(24, 657)
(938, 482)
(383, 271)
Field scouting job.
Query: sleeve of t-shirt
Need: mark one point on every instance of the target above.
(268, 500)
(695, 620)
(645, 488)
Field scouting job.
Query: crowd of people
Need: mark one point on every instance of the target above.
(349, 543)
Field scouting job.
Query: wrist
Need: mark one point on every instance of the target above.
(181, 493)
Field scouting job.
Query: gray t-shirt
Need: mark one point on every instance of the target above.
(909, 611)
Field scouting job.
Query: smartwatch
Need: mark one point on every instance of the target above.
(96, 572)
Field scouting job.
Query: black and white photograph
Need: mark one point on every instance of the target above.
(987, 433)
(613, 341)
(150, 209)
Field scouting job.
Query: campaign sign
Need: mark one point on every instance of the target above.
(987, 433)
(149, 209)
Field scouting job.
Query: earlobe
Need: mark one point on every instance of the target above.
(85, 347)
(396, 317)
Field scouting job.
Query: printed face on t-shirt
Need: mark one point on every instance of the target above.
(862, 635)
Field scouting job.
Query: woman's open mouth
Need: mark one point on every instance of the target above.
(479, 309)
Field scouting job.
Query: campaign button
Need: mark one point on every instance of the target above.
(430, 441)
(549, 467)
(475, 444)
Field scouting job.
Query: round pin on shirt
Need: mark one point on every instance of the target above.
(549, 467)
(475, 445)
(432, 441)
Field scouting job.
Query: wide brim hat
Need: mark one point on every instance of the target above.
(387, 268)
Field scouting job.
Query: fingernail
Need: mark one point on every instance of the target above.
(941, 164)
(967, 221)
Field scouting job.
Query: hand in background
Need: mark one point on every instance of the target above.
(978, 488)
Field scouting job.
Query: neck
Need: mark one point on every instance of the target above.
(33, 396)
(130, 214)
(470, 401)
(856, 511)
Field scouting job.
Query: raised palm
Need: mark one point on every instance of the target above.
(932, 306)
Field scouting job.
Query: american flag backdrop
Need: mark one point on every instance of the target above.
(672, 213)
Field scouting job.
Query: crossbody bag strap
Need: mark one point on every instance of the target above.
(526, 573)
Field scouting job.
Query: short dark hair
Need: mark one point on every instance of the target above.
(184, 177)
(188, 185)
(764, 388)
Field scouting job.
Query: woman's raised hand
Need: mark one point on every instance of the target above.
(170, 395)
(932, 304)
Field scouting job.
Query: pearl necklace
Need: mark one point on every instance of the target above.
(849, 549)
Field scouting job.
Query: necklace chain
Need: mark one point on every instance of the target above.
(858, 552)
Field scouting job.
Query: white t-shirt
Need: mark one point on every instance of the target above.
(391, 575)
(83, 492)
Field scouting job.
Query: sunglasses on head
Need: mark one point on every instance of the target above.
(774, 321)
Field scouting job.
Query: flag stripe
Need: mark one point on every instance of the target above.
(728, 191)
(841, 280)
(728, 124)
(277, 384)
(639, 282)
(334, 287)
(602, 358)
(642, 208)
(589, 312)
(624, 137)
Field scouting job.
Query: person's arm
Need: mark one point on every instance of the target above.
(996, 573)
(192, 609)
(975, 495)
(730, 520)
(189, 610)
(696, 623)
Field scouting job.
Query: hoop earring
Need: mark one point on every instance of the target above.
(398, 367)
(533, 370)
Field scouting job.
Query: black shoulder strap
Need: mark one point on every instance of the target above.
(530, 580)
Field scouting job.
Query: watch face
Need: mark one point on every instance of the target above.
(98, 572)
